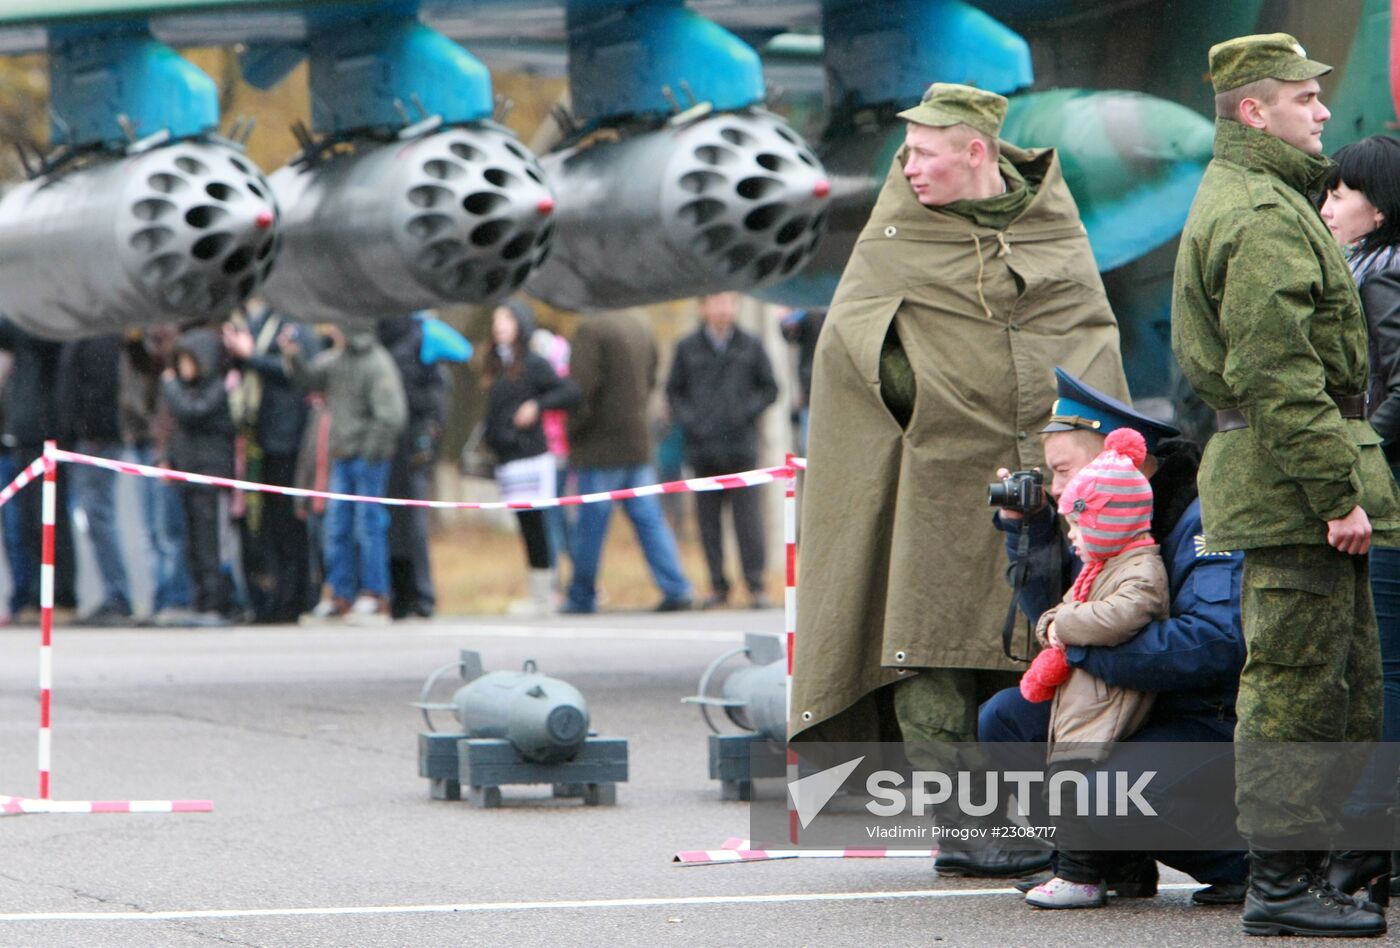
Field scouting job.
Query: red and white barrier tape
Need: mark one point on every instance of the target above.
(766, 475)
(31, 473)
(18, 805)
(737, 850)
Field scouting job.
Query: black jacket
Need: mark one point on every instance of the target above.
(804, 332)
(424, 386)
(717, 396)
(282, 406)
(203, 439)
(31, 394)
(538, 381)
(1380, 298)
(88, 391)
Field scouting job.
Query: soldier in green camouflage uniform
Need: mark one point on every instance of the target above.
(1268, 328)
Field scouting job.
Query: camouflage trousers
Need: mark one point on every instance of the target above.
(1312, 674)
(939, 706)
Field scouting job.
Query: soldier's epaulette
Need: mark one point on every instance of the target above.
(1202, 553)
(1261, 190)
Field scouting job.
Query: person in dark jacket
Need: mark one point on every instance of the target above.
(89, 423)
(519, 386)
(271, 414)
(411, 471)
(1191, 659)
(31, 399)
(802, 328)
(720, 383)
(1362, 209)
(614, 367)
(202, 444)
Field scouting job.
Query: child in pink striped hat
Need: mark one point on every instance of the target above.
(1121, 587)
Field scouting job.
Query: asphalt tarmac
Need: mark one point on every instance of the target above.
(323, 833)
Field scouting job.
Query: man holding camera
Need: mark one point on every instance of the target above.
(1268, 328)
(972, 278)
(1191, 659)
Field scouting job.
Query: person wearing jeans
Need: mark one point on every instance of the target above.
(368, 410)
(172, 590)
(357, 530)
(94, 493)
(653, 533)
(89, 422)
(614, 366)
(146, 429)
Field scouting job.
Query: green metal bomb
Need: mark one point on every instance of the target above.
(543, 718)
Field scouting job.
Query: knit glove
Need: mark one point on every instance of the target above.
(1049, 670)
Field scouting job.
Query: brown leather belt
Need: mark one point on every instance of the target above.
(1232, 419)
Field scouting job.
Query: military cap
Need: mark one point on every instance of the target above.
(947, 103)
(1247, 59)
(1079, 405)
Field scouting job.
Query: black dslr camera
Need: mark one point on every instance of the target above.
(1023, 490)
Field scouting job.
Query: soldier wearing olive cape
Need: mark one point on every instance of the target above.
(972, 280)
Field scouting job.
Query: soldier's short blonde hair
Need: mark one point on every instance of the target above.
(962, 134)
(1266, 90)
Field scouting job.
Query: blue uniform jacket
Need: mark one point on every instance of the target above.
(1192, 659)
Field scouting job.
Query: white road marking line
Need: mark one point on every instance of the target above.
(584, 633)
(696, 900)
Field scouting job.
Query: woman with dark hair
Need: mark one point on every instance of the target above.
(1362, 208)
(520, 385)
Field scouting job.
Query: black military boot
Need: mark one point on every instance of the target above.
(1286, 897)
(1352, 869)
(990, 858)
(976, 846)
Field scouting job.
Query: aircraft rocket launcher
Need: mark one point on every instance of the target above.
(723, 202)
(457, 215)
(170, 233)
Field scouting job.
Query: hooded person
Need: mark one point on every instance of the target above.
(202, 443)
(972, 279)
(520, 385)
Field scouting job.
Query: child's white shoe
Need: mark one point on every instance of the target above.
(1061, 894)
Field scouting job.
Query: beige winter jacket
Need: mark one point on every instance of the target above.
(1088, 714)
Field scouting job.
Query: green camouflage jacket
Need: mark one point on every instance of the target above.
(1265, 318)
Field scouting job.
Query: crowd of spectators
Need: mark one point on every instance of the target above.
(265, 398)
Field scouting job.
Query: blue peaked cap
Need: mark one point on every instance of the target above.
(1078, 405)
